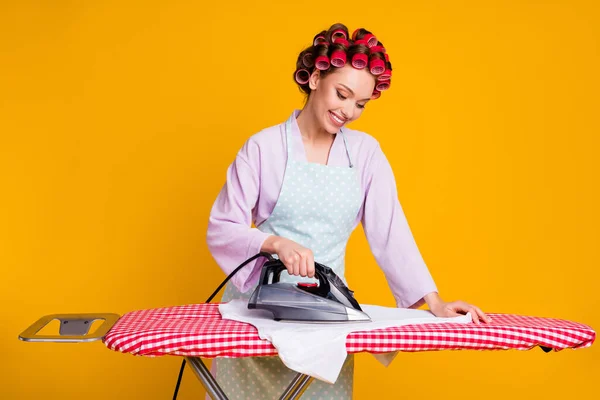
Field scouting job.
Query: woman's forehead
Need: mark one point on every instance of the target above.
(360, 81)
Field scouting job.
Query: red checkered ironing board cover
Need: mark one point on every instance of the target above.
(198, 330)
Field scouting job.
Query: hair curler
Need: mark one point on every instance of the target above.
(338, 58)
(370, 39)
(376, 66)
(302, 76)
(359, 60)
(307, 60)
(386, 76)
(322, 63)
(338, 34)
(383, 85)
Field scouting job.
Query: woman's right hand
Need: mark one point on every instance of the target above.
(297, 259)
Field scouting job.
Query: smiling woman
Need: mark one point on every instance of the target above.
(314, 152)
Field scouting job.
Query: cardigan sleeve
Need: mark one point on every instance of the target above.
(390, 237)
(231, 238)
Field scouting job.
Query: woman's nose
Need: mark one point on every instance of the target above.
(347, 112)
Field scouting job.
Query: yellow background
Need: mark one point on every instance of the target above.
(118, 121)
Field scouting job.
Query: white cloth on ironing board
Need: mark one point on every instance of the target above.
(319, 350)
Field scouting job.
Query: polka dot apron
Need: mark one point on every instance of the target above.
(316, 208)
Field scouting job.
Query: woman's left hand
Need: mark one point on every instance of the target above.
(440, 308)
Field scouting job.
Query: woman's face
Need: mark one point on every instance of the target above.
(340, 96)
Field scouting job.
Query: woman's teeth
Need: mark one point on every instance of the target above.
(337, 119)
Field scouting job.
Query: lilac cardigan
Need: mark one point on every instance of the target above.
(254, 180)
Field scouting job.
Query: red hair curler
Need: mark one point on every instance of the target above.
(359, 60)
(338, 34)
(322, 63)
(361, 41)
(383, 85)
(370, 39)
(376, 94)
(386, 76)
(320, 40)
(308, 61)
(376, 66)
(341, 41)
(378, 49)
(302, 76)
(387, 57)
(338, 58)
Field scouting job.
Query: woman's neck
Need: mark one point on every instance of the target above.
(309, 126)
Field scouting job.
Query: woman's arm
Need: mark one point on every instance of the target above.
(230, 236)
(389, 235)
(394, 247)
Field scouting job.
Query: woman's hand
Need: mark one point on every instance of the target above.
(297, 259)
(440, 308)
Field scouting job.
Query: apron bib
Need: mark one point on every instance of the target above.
(316, 208)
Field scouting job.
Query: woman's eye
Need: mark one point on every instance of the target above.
(340, 95)
(361, 106)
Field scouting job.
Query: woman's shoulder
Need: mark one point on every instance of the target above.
(265, 138)
(363, 142)
(265, 141)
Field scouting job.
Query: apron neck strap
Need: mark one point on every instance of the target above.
(288, 138)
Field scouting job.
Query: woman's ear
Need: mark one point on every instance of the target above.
(314, 79)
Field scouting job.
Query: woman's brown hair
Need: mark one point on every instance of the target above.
(326, 43)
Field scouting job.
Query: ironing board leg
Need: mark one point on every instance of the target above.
(297, 387)
(210, 384)
(293, 391)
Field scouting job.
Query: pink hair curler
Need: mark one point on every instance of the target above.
(322, 63)
(376, 94)
(359, 60)
(376, 66)
(378, 49)
(386, 76)
(338, 58)
(370, 39)
(320, 40)
(383, 85)
(339, 34)
(308, 61)
(341, 41)
(302, 76)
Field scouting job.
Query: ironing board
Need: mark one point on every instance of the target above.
(197, 331)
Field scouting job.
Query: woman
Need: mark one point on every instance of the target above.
(306, 184)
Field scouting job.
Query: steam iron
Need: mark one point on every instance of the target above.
(328, 301)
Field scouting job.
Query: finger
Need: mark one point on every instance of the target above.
(455, 307)
(311, 264)
(464, 306)
(303, 264)
(474, 315)
(297, 264)
(461, 306)
(482, 315)
(288, 262)
(452, 313)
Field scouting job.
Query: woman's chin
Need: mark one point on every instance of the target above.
(330, 127)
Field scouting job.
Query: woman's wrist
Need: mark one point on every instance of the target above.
(271, 244)
(432, 299)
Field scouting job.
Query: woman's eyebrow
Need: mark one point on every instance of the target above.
(351, 92)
